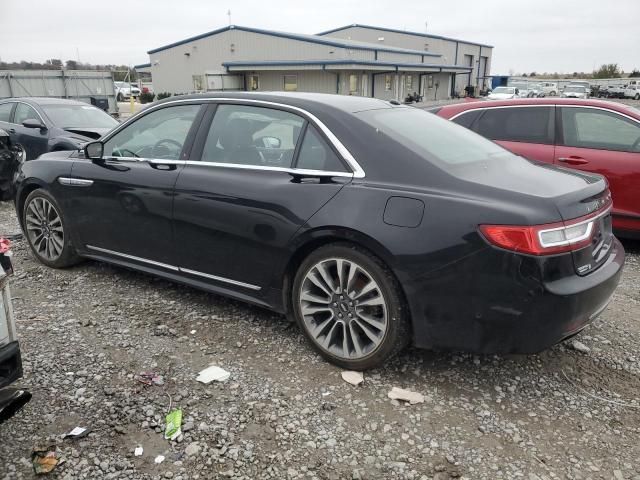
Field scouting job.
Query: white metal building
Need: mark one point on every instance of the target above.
(352, 60)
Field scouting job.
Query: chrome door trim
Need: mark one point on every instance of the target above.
(75, 182)
(174, 268)
(220, 279)
(133, 257)
(358, 172)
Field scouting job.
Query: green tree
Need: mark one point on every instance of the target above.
(635, 73)
(608, 70)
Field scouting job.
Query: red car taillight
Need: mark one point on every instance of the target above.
(544, 239)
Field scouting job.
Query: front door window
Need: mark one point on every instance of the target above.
(159, 134)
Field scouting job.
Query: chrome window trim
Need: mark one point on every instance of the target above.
(292, 171)
(174, 268)
(75, 182)
(469, 110)
(555, 105)
(358, 172)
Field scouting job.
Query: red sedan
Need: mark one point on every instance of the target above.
(590, 135)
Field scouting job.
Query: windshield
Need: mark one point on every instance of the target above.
(64, 115)
(505, 90)
(433, 138)
(575, 89)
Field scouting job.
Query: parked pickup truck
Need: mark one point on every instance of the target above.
(632, 91)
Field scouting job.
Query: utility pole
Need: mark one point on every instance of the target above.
(229, 15)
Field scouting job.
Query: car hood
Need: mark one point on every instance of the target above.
(57, 155)
(86, 133)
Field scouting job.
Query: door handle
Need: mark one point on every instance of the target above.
(573, 160)
(162, 165)
(12, 130)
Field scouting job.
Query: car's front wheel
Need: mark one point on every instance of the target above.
(350, 307)
(44, 227)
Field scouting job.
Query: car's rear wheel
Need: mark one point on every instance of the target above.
(637, 97)
(44, 227)
(350, 307)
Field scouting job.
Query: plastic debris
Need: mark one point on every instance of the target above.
(138, 451)
(354, 378)
(212, 373)
(580, 347)
(173, 421)
(151, 378)
(159, 459)
(406, 395)
(45, 459)
(77, 432)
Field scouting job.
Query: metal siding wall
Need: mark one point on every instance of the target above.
(74, 84)
(172, 70)
(320, 82)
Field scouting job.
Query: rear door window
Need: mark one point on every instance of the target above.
(517, 124)
(5, 111)
(257, 136)
(599, 129)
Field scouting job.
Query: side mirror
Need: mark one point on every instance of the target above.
(94, 150)
(33, 123)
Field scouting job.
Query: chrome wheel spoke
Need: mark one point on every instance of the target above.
(375, 300)
(343, 308)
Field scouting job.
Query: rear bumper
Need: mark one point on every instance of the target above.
(507, 309)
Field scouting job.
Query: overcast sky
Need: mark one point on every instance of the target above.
(528, 35)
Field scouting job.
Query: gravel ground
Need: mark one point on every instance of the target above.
(89, 331)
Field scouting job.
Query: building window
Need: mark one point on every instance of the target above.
(353, 84)
(430, 81)
(409, 82)
(254, 82)
(197, 82)
(290, 83)
(387, 82)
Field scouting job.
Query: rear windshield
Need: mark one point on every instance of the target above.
(433, 138)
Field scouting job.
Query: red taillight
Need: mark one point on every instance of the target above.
(544, 239)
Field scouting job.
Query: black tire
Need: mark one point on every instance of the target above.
(398, 331)
(637, 97)
(67, 255)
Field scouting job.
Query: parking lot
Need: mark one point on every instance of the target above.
(88, 332)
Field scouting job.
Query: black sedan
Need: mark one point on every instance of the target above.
(42, 124)
(373, 225)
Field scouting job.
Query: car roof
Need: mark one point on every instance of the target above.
(346, 103)
(44, 101)
(449, 111)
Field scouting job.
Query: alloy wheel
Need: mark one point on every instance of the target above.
(343, 308)
(44, 228)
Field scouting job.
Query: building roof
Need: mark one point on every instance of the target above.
(333, 42)
(381, 65)
(394, 30)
